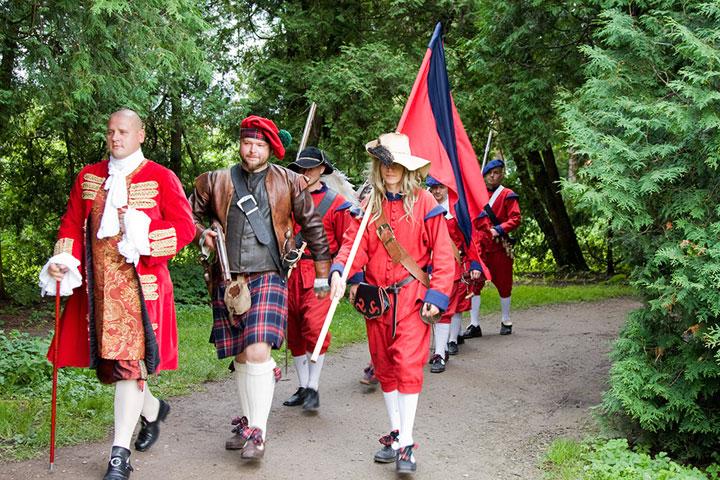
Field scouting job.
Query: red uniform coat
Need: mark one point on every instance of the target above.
(306, 312)
(507, 211)
(157, 192)
(399, 361)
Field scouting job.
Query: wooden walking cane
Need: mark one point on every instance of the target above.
(53, 405)
(346, 272)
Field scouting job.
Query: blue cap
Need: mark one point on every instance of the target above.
(493, 164)
(431, 182)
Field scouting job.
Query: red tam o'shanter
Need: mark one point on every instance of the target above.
(263, 129)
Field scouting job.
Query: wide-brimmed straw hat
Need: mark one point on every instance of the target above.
(395, 148)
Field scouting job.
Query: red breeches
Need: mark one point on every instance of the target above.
(501, 267)
(306, 314)
(399, 361)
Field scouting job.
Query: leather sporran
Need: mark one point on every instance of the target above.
(237, 296)
(371, 301)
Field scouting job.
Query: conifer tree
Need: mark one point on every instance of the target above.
(647, 121)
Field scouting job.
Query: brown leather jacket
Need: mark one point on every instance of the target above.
(289, 199)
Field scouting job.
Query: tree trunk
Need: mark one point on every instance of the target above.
(8, 50)
(3, 292)
(176, 134)
(539, 175)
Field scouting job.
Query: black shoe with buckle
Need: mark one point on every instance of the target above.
(387, 454)
(472, 331)
(452, 348)
(297, 398)
(405, 462)
(437, 364)
(505, 329)
(312, 400)
(119, 467)
(150, 431)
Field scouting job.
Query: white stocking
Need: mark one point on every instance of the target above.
(442, 334)
(475, 310)
(505, 305)
(408, 406)
(455, 327)
(260, 381)
(315, 369)
(303, 370)
(128, 405)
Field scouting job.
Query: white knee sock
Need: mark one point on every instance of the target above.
(302, 369)
(314, 371)
(393, 409)
(475, 310)
(455, 327)
(151, 405)
(442, 334)
(128, 404)
(408, 406)
(240, 375)
(260, 382)
(505, 305)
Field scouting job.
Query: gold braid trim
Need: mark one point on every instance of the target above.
(163, 248)
(64, 245)
(149, 287)
(90, 185)
(142, 194)
(163, 233)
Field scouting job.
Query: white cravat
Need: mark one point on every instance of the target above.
(117, 191)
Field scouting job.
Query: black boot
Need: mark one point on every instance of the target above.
(505, 329)
(312, 400)
(150, 431)
(297, 398)
(119, 467)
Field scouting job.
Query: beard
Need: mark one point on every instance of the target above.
(254, 164)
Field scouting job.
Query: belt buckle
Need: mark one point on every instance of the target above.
(243, 200)
(381, 231)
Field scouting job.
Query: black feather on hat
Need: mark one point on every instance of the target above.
(311, 157)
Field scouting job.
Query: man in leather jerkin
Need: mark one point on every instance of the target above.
(255, 203)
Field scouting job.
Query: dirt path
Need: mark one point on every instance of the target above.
(489, 416)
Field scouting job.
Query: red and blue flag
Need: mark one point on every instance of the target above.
(431, 122)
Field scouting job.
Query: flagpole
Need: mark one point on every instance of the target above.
(487, 147)
(306, 130)
(345, 273)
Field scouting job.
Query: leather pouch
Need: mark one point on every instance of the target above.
(371, 301)
(237, 296)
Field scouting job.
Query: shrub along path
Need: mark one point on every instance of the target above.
(489, 416)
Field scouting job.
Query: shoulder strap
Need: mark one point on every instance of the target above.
(488, 208)
(397, 252)
(322, 209)
(248, 205)
(495, 195)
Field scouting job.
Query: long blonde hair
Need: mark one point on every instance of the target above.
(409, 185)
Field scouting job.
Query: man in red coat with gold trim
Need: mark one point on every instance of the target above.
(306, 311)
(126, 217)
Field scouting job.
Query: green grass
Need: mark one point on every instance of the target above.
(85, 407)
(603, 459)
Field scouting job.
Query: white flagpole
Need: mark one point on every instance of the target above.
(346, 272)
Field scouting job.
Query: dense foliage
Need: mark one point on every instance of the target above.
(647, 121)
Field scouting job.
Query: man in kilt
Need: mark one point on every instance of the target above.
(256, 204)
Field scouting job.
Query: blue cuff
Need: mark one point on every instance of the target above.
(357, 278)
(512, 196)
(344, 206)
(437, 210)
(499, 229)
(475, 266)
(336, 267)
(438, 299)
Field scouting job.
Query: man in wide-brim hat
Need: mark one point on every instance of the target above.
(307, 312)
(405, 219)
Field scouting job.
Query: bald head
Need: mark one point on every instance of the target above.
(124, 134)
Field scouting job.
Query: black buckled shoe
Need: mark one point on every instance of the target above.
(387, 454)
(150, 431)
(297, 398)
(405, 462)
(505, 329)
(437, 364)
(460, 339)
(452, 348)
(472, 331)
(312, 400)
(119, 467)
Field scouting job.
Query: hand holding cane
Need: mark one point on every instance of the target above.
(346, 272)
(55, 376)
